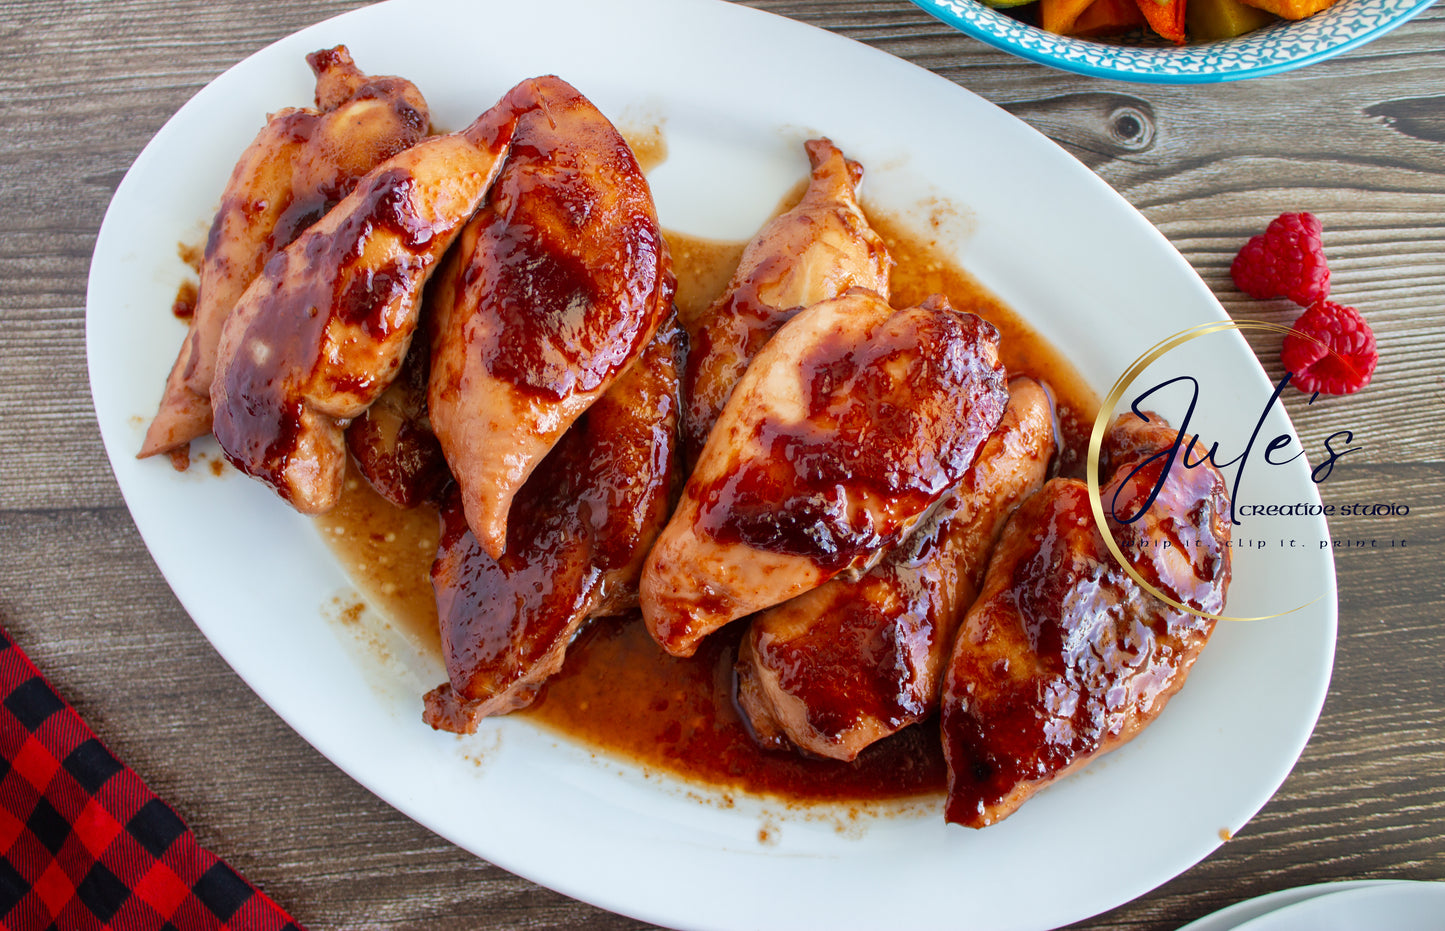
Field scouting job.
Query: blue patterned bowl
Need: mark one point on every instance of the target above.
(1278, 47)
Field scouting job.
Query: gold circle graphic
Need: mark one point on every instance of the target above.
(1096, 442)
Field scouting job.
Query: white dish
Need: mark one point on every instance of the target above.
(1236, 915)
(259, 583)
(1404, 906)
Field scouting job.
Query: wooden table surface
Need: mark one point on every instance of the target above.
(1358, 139)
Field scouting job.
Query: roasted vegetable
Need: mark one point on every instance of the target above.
(1165, 17)
(1292, 9)
(1108, 18)
(1178, 21)
(1059, 15)
(1209, 20)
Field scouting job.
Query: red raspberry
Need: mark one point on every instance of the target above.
(1287, 260)
(1331, 350)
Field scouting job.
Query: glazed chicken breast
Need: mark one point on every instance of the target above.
(298, 167)
(856, 660)
(323, 330)
(1064, 656)
(556, 287)
(580, 527)
(847, 427)
(392, 442)
(817, 251)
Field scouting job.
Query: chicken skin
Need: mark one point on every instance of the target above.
(847, 427)
(392, 442)
(580, 527)
(557, 286)
(300, 165)
(323, 330)
(1065, 656)
(854, 661)
(814, 252)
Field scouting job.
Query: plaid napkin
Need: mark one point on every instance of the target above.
(84, 844)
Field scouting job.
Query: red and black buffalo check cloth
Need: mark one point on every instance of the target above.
(85, 845)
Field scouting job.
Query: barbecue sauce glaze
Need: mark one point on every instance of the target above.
(619, 692)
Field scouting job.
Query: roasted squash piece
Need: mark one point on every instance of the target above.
(1108, 18)
(1058, 16)
(1209, 20)
(1165, 17)
(1292, 9)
